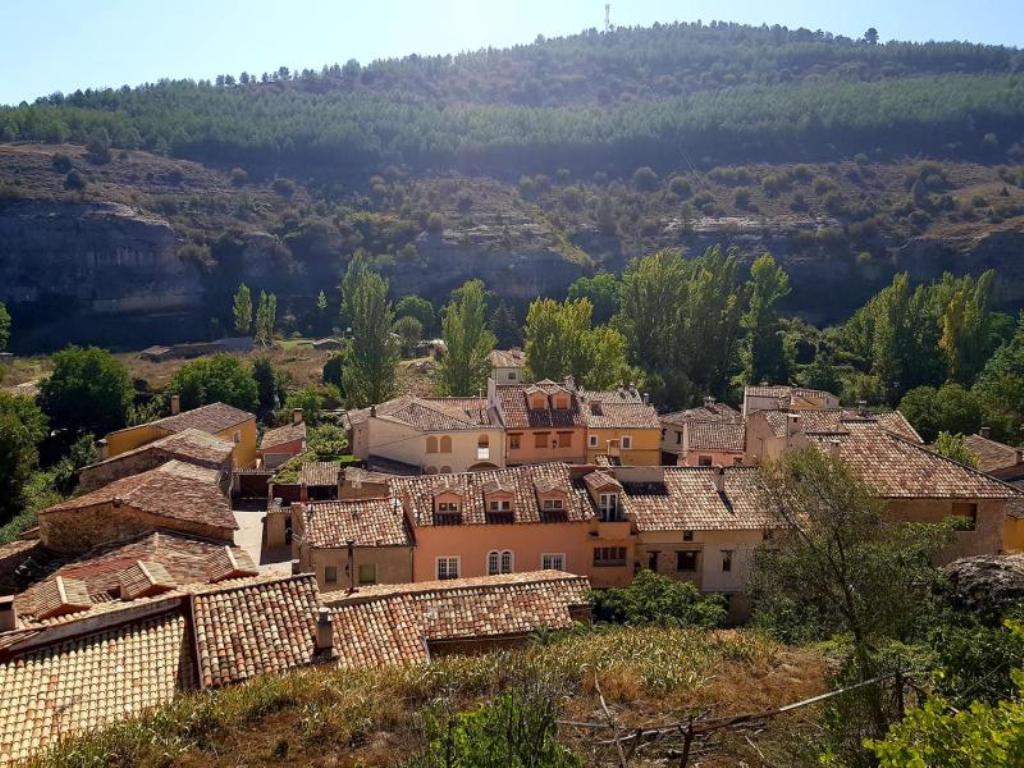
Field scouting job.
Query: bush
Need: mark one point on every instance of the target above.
(239, 177)
(657, 600)
(645, 179)
(333, 368)
(435, 223)
(61, 163)
(75, 182)
(741, 199)
(284, 187)
(680, 187)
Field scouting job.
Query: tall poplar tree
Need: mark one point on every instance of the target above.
(243, 310)
(369, 376)
(764, 357)
(469, 342)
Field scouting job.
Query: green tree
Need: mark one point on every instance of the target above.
(418, 307)
(653, 599)
(466, 363)
(22, 427)
(327, 442)
(504, 326)
(954, 447)
(764, 357)
(1000, 388)
(333, 369)
(369, 376)
(560, 342)
(5, 327)
(603, 292)
(821, 373)
(266, 318)
(950, 408)
(410, 330)
(322, 320)
(354, 275)
(839, 566)
(217, 379)
(309, 400)
(265, 376)
(88, 391)
(243, 310)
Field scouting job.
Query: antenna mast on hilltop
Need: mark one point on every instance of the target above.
(607, 17)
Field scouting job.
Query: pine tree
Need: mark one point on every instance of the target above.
(504, 326)
(243, 310)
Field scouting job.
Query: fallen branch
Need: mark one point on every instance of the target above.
(611, 724)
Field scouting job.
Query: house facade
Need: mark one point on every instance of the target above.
(430, 435)
(542, 421)
(280, 444)
(508, 366)
(686, 440)
(621, 425)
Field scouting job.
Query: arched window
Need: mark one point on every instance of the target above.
(500, 562)
(446, 444)
(506, 561)
(446, 470)
(431, 444)
(430, 470)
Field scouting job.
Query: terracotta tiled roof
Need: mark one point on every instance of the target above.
(993, 456)
(621, 408)
(523, 481)
(508, 358)
(517, 415)
(229, 563)
(389, 623)
(191, 445)
(212, 418)
(896, 468)
(687, 501)
(768, 391)
(320, 473)
(143, 579)
(597, 480)
(184, 558)
(60, 596)
(431, 414)
(280, 435)
(716, 436)
(174, 490)
(835, 421)
(247, 630)
(82, 683)
(370, 523)
(710, 411)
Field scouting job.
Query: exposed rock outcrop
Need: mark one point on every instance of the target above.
(987, 584)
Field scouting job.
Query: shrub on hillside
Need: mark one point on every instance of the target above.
(657, 600)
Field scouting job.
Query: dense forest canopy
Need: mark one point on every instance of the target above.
(668, 96)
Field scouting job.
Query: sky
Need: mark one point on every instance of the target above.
(63, 45)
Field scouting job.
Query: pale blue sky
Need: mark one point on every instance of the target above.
(51, 45)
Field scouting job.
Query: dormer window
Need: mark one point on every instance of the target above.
(448, 507)
(499, 505)
(538, 401)
(608, 507)
(553, 505)
(561, 402)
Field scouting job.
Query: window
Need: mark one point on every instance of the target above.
(483, 451)
(513, 442)
(237, 437)
(540, 440)
(448, 567)
(448, 506)
(446, 470)
(626, 442)
(766, 534)
(552, 561)
(500, 505)
(703, 461)
(565, 439)
(686, 560)
(968, 510)
(609, 556)
(608, 507)
(550, 505)
(446, 444)
(330, 574)
(726, 560)
(512, 376)
(368, 573)
(430, 470)
(431, 444)
(592, 441)
(652, 561)
(687, 535)
(499, 562)
(561, 403)
(679, 438)
(737, 461)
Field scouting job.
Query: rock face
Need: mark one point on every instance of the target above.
(987, 584)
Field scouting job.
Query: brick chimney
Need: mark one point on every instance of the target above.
(718, 477)
(709, 400)
(175, 405)
(833, 448)
(8, 613)
(985, 432)
(324, 631)
(296, 415)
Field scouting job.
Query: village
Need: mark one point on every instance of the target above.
(190, 561)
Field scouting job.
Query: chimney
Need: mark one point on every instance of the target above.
(296, 568)
(175, 405)
(647, 398)
(833, 448)
(324, 631)
(862, 408)
(709, 401)
(8, 614)
(985, 432)
(296, 415)
(718, 475)
(792, 424)
(373, 411)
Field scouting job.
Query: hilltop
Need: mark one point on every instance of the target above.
(528, 167)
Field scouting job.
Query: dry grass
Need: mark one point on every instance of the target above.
(325, 716)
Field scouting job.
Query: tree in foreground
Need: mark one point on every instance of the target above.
(221, 378)
(653, 599)
(22, 427)
(466, 364)
(560, 342)
(369, 376)
(838, 567)
(88, 391)
(242, 310)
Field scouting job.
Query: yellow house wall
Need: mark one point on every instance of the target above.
(244, 453)
(1013, 534)
(132, 437)
(393, 564)
(985, 539)
(646, 450)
